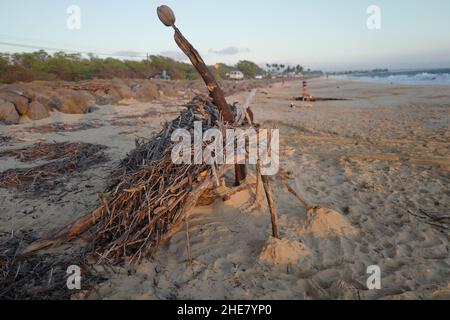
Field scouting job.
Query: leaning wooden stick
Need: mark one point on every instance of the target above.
(272, 206)
(188, 240)
(269, 195)
(67, 234)
(167, 17)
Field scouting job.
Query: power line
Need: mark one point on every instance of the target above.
(20, 45)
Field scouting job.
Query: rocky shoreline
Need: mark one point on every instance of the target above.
(24, 102)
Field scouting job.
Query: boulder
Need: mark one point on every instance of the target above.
(120, 89)
(72, 102)
(104, 99)
(37, 111)
(35, 91)
(8, 113)
(43, 96)
(54, 103)
(146, 91)
(19, 101)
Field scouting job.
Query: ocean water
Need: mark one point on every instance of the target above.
(423, 77)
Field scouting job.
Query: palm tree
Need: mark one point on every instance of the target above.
(299, 69)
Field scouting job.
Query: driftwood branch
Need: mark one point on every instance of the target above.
(272, 206)
(206, 74)
(67, 234)
(167, 17)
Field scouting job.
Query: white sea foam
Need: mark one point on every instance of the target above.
(424, 78)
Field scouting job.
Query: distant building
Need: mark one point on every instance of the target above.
(235, 75)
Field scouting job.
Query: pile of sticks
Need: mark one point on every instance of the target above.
(150, 196)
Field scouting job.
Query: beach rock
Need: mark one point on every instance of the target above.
(54, 103)
(110, 96)
(41, 92)
(145, 91)
(72, 102)
(8, 113)
(283, 252)
(106, 99)
(20, 102)
(25, 90)
(120, 89)
(37, 111)
(42, 96)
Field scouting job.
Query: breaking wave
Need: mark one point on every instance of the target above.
(424, 78)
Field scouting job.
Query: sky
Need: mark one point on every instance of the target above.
(319, 34)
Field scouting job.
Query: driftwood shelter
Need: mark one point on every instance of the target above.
(150, 197)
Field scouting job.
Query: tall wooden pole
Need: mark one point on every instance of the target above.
(167, 17)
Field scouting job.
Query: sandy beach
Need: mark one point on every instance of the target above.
(380, 161)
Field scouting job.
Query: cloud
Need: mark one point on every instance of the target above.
(176, 55)
(128, 54)
(229, 51)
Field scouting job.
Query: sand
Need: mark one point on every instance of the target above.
(327, 223)
(373, 165)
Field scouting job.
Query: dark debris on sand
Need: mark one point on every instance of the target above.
(4, 140)
(39, 277)
(65, 159)
(63, 127)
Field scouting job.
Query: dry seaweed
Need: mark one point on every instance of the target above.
(4, 140)
(58, 127)
(38, 277)
(434, 219)
(65, 159)
(52, 151)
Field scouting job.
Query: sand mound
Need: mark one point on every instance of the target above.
(283, 252)
(324, 222)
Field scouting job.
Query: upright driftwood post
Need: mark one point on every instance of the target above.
(269, 194)
(272, 206)
(167, 17)
(305, 91)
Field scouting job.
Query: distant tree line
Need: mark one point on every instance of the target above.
(41, 65)
(284, 69)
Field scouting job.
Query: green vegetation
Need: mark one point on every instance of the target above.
(220, 70)
(41, 65)
(249, 69)
(73, 67)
